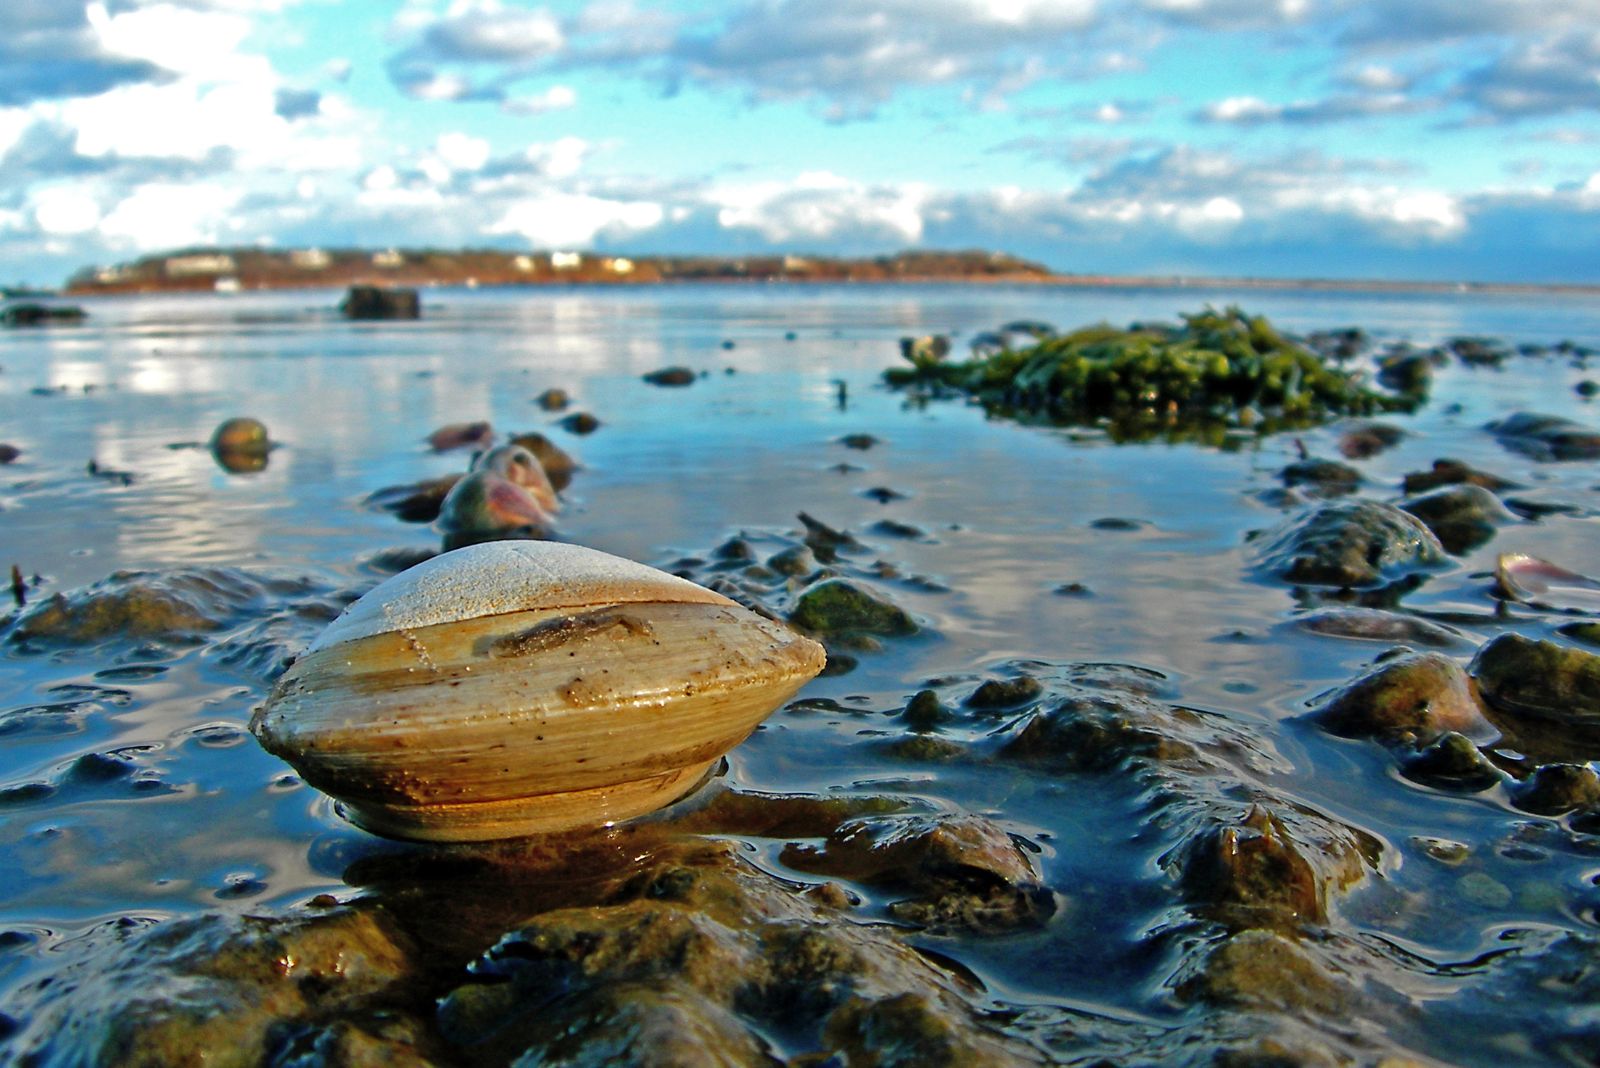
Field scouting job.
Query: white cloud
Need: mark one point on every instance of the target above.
(561, 158)
(180, 39)
(462, 152)
(169, 215)
(64, 210)
(819, 206)
(555, 98)
(575, 220)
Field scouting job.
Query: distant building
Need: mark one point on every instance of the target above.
(619, 265)
(388, 258)
(523, 264)
(199, 264)
(310, 259)
(566, 261)
(227, 284)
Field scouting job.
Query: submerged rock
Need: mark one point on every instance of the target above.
(553, 399)
(962, 872)
(1526, 677)
(1376, 624)
(380, 302)
(1462, 517)
(1410, 700)
(180, 605)
(33, 314)
(1554, 789)
(1097, 732)
(1449, 472)
(1353, 544)
(671, 376)
(836, 608)
(1546, 437)
(474, 435)
(1452, 762)
(222, 990)
(1328, 478)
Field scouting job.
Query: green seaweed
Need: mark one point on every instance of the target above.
(1219, 373)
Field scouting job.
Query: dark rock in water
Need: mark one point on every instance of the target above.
(558, 464)
(1450, 473)
(1329, 478)
(925, 712)
(1355, 544)
(891, 528)
(1546, 437)
(1253, 872)
(241, 445)
(1452, 762)
(858, 441)
(882, 494)
(416, 503)
(42, 315)
(380, 302)
(1375, 624)
(794, 561)
(965, 872)
(1588, 387)
(1478, 351)
(553, 400)
(1411, 699)
(580, 423)
(474, 435)
(1462, 517)
(841, 608)
(925, 351)
(1526, 677)
(670, 376)
(1005, 693)
(1554, 789)
(1266, 971)
(1368, 439)
(8, 453)
(181, 605)
(221, 989)
(824, 541)
(1098, 732)
(1406, 372)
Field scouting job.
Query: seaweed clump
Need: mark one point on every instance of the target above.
(1219, 373)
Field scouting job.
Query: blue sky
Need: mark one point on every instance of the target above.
(1434, 139)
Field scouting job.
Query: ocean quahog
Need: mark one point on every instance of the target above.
(514, 688)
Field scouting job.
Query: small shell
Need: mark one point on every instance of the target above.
(515, 688)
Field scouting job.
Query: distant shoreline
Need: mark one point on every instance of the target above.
(238, 270)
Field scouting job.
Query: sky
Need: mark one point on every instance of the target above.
(1411, 139)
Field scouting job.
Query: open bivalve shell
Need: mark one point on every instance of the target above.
(516, 688)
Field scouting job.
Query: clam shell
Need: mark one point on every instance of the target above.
(514, 688)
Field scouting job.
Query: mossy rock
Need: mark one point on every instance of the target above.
(839, 608)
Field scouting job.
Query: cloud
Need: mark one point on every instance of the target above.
(51, 50)
(575, 220)
(163, 216)
(555, 98)
(1544, 77)
(1231, 14)
(1253, 111)
(820, 206)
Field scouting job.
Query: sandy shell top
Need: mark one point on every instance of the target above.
(506, 576)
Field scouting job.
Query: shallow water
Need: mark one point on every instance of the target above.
(193, 816)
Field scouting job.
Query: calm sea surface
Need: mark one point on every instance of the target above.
(207, 821)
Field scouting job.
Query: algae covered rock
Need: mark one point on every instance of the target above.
(215, 990)
(1350, 544)
(1462, 517)
(1411, 699)
(178, 605)
(839, 607)
(1545, 680)
(1150, 380)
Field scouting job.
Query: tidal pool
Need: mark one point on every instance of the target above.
(1446, 924)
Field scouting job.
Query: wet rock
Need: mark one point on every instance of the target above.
(8, 453)
(380, 302)
(213, 989)
(882, 494)
(670, 376)
(1451, 762)
(1256, 871)
(580, 423)
(891, 528)
(924, 749)
(1263, 970)
(558, 464)
(907, 1031)
(797, 560)
(925, 712)
(1449, 472)
(475, 435)
(1478, 351)
(1409, 700)
(1355, 544)
(1095, 733)
(180, 605)
(553, 400)
(33, 314)
(381, 1039)
(836, 608)
(964, 872)
(1073, 589)
(1546, 437)
(1363, 440)
(241, 445)
(1554, 789)
(1462, 517)
(1327, 478)
(996, 694)
(415, 503)
(1406, 372)
(858, 441)
(1376, 624)
(1526, 677)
